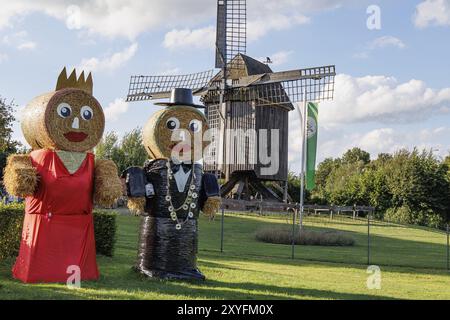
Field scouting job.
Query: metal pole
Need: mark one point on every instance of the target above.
(225, 120)
(293, 232)
(304, 119)
(448, 247)
(221, 230)
(368, 238)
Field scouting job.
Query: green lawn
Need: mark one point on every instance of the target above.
(252, 270)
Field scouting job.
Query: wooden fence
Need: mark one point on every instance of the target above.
(280, 207)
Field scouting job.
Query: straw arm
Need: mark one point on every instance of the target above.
(107, 185)
(136, 205)
(20, 177)
(212, 205)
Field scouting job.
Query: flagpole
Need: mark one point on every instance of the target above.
(304, 119)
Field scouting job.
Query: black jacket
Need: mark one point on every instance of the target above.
(155, 172)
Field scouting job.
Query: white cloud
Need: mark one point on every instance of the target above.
(112, 18)
(3, 57)
(116, 109)
(260, 26)
(389, 140)
(186, 38)
(170, 72)
(384, 100)
(378, 114)
(278, 58)
(19, 40)
(334, 142)
(130, 18)
(379, 43)
(432, 12)
(387, 41)
(109, 63)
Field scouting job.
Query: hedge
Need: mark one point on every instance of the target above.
(105, 232)
(11, 222)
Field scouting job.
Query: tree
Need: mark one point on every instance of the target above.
(7, 144)
(447, 163)
(125, 153)
(344, 187)
(107, 147)
(133, 150)
(419, 184)
(356, 155)
(411, 187)
(322, 173)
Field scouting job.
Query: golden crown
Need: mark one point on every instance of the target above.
(72, 81)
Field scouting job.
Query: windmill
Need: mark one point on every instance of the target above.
(245, 95)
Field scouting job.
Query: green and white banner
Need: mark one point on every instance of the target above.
(311, 145)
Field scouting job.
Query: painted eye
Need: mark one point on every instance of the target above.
(173, 124)
(195, 126)
(86, 113)
(64, 110)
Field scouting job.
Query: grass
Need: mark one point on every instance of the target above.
(249, 269)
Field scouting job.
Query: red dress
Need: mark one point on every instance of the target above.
(58, 231)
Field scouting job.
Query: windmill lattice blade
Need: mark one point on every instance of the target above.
(316, 73)
(158, 87)
(284, 88)
(231, 31)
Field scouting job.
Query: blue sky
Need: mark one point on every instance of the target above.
(392, 91)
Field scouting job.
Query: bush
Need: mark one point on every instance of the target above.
(11, 222)
(404, 215)
(105, 232)
(304, 237)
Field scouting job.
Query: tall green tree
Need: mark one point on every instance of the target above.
(356, 155)
(127, 152)
(419, 182)
(411, 187)
(319, 194)
(133, 150)
(108, 147)
(7, 144)
(447, 163)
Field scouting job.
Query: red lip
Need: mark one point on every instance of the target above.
(76, 136)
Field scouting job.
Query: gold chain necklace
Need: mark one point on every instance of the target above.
(190, 202)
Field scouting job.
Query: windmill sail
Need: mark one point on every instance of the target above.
(159, 87)
(221, 36)
(231, 38)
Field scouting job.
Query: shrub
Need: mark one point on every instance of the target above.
(304, 237)
(405, 215)
(11, 222)
(105, 232)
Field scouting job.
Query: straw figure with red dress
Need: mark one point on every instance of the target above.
(61, 180)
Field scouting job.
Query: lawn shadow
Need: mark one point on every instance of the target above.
(210, 289)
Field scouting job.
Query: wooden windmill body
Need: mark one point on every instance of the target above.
(239, 163)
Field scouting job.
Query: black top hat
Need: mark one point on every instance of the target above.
(181, 97)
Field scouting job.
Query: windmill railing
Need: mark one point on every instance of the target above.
(281, 207)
